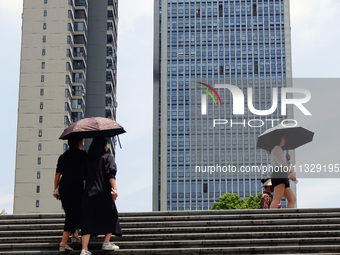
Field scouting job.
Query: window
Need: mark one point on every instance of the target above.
(221, 70)
(37, 203)
(220, 10)
(45, 13)
(256, 67)
(38, 175)
(205, 187)
(40, 133)
(38, 189)
(41, 105)
(42, 65)
(67, 93)
(70, 2)
(42, 78)
(44, 26)
(69, 27)
(44, 39)
(39, 161)
(39, 147)
(254, 9)
(65, 147)
(66, 120)
(41, 92)
(43, 52)
(68, 66)
(77, 104)
(40, 119)
(67, 79)
(68, 39)
(45, 1)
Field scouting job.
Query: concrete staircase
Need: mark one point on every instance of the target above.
(298, 231)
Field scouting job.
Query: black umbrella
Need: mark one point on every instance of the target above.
(92, 127)
(295, 137)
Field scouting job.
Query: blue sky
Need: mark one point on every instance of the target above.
(315, 40)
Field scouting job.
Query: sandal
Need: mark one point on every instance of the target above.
(64, 247)
(75, 238)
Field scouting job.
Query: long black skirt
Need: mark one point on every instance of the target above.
(100, 215)
(71, 199)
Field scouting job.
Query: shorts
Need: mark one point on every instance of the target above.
(277, 181)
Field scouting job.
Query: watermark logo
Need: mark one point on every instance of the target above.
(239, 102)
(205, 98)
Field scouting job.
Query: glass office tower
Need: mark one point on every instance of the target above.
(199, 47)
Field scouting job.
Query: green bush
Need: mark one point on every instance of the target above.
(233, 201)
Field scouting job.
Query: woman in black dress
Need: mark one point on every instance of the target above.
(69, 187)
(100, 214)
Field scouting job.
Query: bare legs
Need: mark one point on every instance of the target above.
(279, 192)
(107, 237)
(85, 242)
(86, 238)
(290, 197)
(66, 235)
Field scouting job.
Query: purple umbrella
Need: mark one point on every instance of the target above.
(92, 127)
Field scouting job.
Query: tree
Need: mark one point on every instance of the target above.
(233, 201)
(3, 212)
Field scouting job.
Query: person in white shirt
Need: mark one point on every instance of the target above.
(281, 175)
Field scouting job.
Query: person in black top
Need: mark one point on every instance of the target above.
(69, 188)
(100, 214)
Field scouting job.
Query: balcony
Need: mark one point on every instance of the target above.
(78, 105)
(108, 113)
(78, 78)
(79, 52)
(79, 65)
(108, 102)
(109, 77)
(82, 6)
(82, 3)
(79, 39)
(80, 15)
(109, 39)
(79, 28)
(110, 26)
(110, 14)
(78, 91)
(77, 116)
(109, 64)
(109, 51)
(108, 88)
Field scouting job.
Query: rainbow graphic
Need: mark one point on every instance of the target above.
(209, 93)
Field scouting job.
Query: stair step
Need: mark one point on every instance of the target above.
(324, 249)
(296, 231)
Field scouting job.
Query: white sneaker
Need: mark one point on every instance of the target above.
(110, 247)
(83, 252)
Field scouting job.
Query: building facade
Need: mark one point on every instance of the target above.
(68, 72)
(200, 145)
